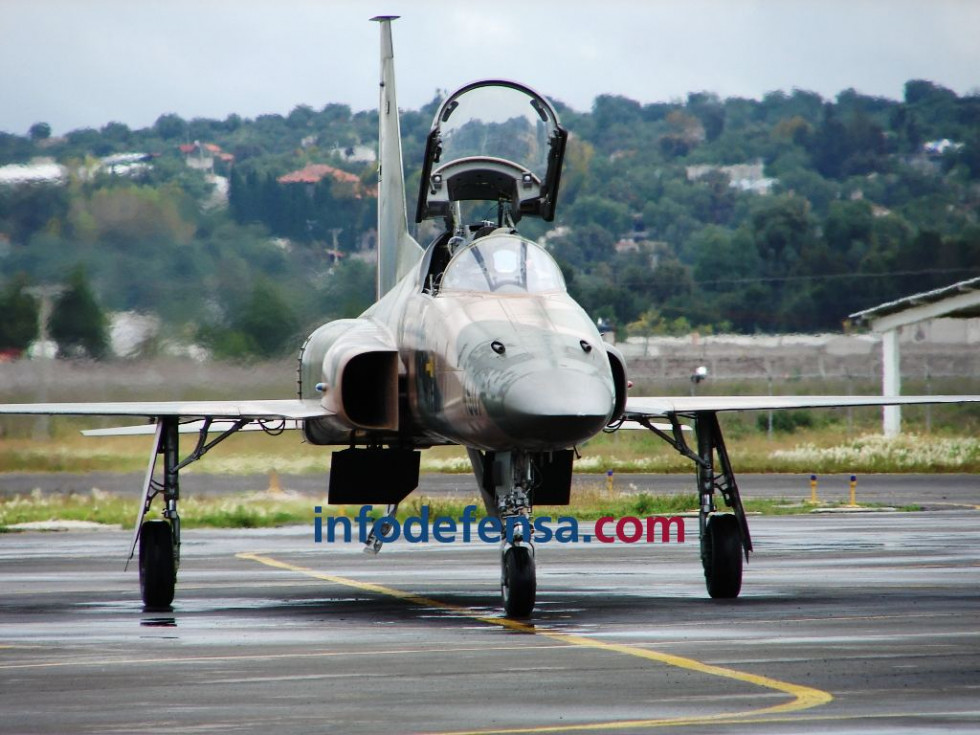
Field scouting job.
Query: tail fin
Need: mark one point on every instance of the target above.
(397, 250)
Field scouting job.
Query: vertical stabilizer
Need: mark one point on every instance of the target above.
(397, 250)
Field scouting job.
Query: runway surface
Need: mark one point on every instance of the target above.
(864, 623)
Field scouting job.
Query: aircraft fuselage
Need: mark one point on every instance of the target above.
(522, 371)
(515, 370)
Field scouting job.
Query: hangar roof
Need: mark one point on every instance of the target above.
(960, 300)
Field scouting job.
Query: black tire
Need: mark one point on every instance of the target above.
(722, 556)
(519, 583)
(158, 569)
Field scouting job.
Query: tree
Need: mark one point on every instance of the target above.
(609, 110)
(267, 322)
(613, 217)
(920, 91)
(170, 127)
(78, 324)
(232, 123)
(348, 290)
(117, 132)
(18, 327)
(782, 228)
(126, 215)
(585, 245)
(26, 210)
(723, 261)
(39, 131)
(969, 155)
(14, 148)
(847, 228)
(709, 110)
(302, 116)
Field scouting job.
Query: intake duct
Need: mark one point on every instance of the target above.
(618, 366)
(351, 366)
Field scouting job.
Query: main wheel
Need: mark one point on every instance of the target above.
(722, 556)
(518, 584)
(158, 570)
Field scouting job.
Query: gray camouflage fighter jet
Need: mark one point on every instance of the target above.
(473, 341)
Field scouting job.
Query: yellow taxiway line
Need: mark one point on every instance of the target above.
(802, 697)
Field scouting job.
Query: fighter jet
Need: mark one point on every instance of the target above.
(473, 341)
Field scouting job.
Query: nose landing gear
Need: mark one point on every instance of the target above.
(518, 581)
(506, 482)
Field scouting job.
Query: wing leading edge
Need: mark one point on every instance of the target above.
(663, 406)
(254, 410)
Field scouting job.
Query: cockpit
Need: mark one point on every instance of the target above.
(493, 142)
(502, 263)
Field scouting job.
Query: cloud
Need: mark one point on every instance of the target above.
(85, 64)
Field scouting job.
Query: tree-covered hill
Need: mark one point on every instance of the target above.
(785, 213)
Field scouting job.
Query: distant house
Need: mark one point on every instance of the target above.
(314, 173)
(127, 164)
(202, 156)
(742, 176)
(356, 153)
(38, 171)
(939, 147)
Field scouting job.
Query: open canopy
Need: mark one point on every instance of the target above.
(495, 141)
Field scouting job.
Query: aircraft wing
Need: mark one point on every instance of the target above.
(664, 406)
(194, 426)
(273, 409)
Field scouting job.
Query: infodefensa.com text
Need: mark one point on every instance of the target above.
(422, 528)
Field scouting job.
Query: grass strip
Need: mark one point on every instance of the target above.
(821, 450)
(271, 509)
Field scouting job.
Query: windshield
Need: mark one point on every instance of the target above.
(497, 121)
(503, 264)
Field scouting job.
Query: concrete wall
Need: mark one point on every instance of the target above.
(944, 348)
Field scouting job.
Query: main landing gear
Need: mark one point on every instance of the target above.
(506, 482)
(159, 539)
(724, 536)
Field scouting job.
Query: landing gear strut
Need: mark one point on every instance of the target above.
(159, 540)
(724, 536)
(506, 482)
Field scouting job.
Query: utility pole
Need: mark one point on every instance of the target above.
(46, 295)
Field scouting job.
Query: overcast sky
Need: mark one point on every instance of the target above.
(83, 63)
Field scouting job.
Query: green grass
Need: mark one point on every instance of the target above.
(257, 510)
(267, 509)
(821, 448)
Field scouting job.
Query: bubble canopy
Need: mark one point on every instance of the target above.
(502, 263)
(493, 140)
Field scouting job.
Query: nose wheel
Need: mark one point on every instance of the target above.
(518, 582)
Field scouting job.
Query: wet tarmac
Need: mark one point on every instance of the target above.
(864, 623)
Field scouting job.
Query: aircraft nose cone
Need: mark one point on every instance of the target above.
(556, 409)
